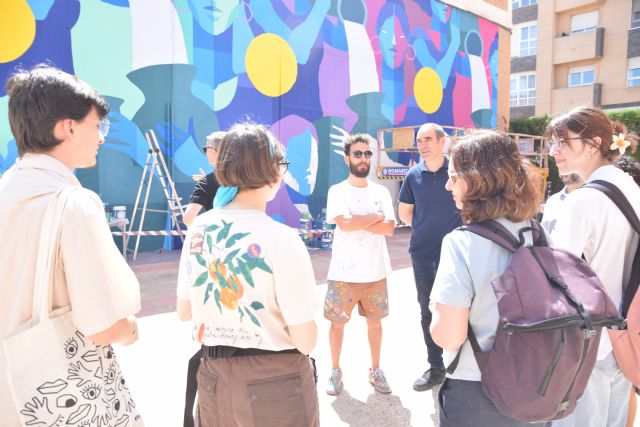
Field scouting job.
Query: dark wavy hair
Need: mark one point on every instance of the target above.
(42, 96)
(498, 182)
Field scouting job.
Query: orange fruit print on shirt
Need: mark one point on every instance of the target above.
(228, 298)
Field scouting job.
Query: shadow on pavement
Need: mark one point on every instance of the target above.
(378, 411)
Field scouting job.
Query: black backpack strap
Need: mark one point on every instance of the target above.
(621, 201)
(539, 234)
(191, 388)
(495, 232)
(498, 234)
(474, 345)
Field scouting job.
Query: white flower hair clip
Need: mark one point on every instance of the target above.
(619, 143)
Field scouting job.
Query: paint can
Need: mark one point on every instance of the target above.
(119, 212)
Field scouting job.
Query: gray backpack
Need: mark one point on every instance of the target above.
(552, 309)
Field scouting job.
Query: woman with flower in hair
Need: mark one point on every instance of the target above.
(586, 142)
(247, 283)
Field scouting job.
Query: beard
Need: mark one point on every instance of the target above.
(359, 172)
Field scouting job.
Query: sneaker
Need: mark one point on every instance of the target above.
(430, 378)
(335, 382)
(378, 381)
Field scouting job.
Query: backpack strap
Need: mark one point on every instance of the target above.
(498, 234)
(621, 201)
(474, 345)
(494, 231)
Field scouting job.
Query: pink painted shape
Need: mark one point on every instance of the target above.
(462, 102)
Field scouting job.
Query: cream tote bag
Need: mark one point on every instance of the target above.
(57, 376)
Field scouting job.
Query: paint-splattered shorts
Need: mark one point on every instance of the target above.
(372, 300)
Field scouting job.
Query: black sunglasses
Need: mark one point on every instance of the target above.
(367, 154)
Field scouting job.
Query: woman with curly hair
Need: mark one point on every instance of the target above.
(586, 142)
(489, 181)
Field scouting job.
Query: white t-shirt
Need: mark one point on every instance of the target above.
(591, 224)
(247, 277)
(552, 208)
(90, 273)
(358, 256)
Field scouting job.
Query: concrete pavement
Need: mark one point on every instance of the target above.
(155, 367)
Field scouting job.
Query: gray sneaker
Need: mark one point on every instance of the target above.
(335, 382)
(378, 381)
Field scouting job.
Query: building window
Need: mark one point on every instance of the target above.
(521, 3)
(635, 13)
(584, 22)
(528, 38)
(633, 74)
(581, 76)
(523, 90)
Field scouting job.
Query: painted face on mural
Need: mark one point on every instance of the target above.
(214, 16)
(393, 42)
(302, 150)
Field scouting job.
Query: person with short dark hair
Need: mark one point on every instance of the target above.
(247, 283)
(429, 209)
(363, 213)
(206, 187)
(585, 141)
(489, 181)
(58, 123)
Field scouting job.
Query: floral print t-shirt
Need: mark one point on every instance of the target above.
(247, 277)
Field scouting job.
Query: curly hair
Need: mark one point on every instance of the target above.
(498, 183)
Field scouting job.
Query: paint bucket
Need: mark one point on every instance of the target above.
(119, 212)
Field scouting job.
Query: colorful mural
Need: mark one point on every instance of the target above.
(311, 69)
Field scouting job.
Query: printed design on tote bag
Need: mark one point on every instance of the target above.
(227, 267)
(93, 393)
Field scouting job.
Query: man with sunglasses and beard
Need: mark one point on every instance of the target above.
(363, 213)
(430, 210)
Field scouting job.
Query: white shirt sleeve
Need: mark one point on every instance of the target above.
(337, 204)
(102, 288)
(387, 207)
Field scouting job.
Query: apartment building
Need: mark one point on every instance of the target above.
(566, 53)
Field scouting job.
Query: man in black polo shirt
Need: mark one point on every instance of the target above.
(429, 209)
(207, 186)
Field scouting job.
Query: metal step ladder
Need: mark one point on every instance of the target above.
(156, 165)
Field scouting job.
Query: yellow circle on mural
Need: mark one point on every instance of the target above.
(271, 64)
(427, 89)
(17, 29)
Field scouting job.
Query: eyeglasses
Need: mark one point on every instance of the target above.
(284, 166)
(559, 144)
(367, 154)
(205, 148)
(453, 176)
(103, 126)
